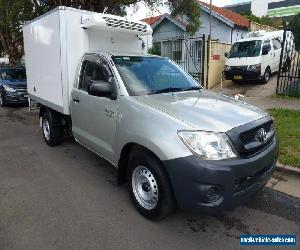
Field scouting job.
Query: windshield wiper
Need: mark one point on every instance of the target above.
(192, 88)
(166, 90)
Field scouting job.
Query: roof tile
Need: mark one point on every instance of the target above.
(151, 20)
(236, 18)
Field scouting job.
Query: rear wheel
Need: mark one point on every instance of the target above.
(52, 131)
(149, 187)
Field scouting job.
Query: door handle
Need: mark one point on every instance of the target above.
(76, 100)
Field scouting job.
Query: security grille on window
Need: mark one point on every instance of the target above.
(177, 50)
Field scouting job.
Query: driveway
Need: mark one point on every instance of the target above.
(261, 95)
(66, 198)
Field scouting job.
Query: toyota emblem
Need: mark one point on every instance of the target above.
(262, 135)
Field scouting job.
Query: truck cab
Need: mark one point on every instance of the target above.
(138, 110)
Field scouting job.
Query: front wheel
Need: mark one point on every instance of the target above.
(149, 187)
(52, 132)
(267, 76)
(2, 101)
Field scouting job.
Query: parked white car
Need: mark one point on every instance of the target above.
(257, 56)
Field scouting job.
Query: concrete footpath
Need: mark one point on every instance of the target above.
(286, 179)
(261, 95)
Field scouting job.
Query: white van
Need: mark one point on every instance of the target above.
(257, 56)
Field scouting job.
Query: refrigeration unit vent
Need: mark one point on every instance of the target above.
(123, 24)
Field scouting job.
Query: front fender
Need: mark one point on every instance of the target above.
(151, 128)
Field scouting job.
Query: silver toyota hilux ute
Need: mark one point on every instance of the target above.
(175, 143)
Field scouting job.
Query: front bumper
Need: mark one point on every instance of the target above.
(244, 74)
(16, 97)
(236, 180)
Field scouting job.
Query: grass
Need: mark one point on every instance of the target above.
(287, 124)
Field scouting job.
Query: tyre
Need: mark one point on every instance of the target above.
(149, 187)
(52, 132)
(267, 75)
(2, 101)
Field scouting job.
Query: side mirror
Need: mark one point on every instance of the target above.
(102, 89)
(226, 54)
(266, 49)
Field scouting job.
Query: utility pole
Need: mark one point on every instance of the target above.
(208, 45)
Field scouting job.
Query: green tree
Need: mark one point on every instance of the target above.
(265, 20)
(14, 13)
(294, 26)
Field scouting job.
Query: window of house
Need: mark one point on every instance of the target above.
(157, 47)
(167, 49)
(172, 49)
(177, 50)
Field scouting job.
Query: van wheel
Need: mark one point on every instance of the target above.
(267, 75)
(149, 187)
(51, 131)
(2, 101)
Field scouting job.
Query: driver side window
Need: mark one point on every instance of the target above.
(267, 43)
(93, 71)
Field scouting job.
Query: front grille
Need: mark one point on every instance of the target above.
(22, 91)
(124, 24)
(241, 68)
(244, 183)
(246, 138)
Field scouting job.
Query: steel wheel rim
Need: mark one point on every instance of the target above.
(46, 129)
(144, 187)
(267, 76)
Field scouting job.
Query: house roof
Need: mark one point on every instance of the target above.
(154, 21)
(234, 17)
(227, 16)
(151, 20)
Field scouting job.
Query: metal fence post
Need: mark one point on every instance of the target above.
(280, 62)
(203, 59)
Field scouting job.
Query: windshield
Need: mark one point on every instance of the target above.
(245, 49)
(152, 75)
(13, 74)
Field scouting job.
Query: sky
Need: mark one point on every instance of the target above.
(141, 11)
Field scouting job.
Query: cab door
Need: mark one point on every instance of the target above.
(277, 51)
(93, 117)
(266, 59)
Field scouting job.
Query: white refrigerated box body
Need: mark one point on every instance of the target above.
(55, 43)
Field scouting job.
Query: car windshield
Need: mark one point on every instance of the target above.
(13, 74)
(152, 75)
(245, 49)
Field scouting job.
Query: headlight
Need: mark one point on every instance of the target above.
(208, 145)
(255, 67)
(8, 89)
(226, 67)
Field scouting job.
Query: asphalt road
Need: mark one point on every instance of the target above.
(66, 197)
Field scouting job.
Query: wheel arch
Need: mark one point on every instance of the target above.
(124, 158)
